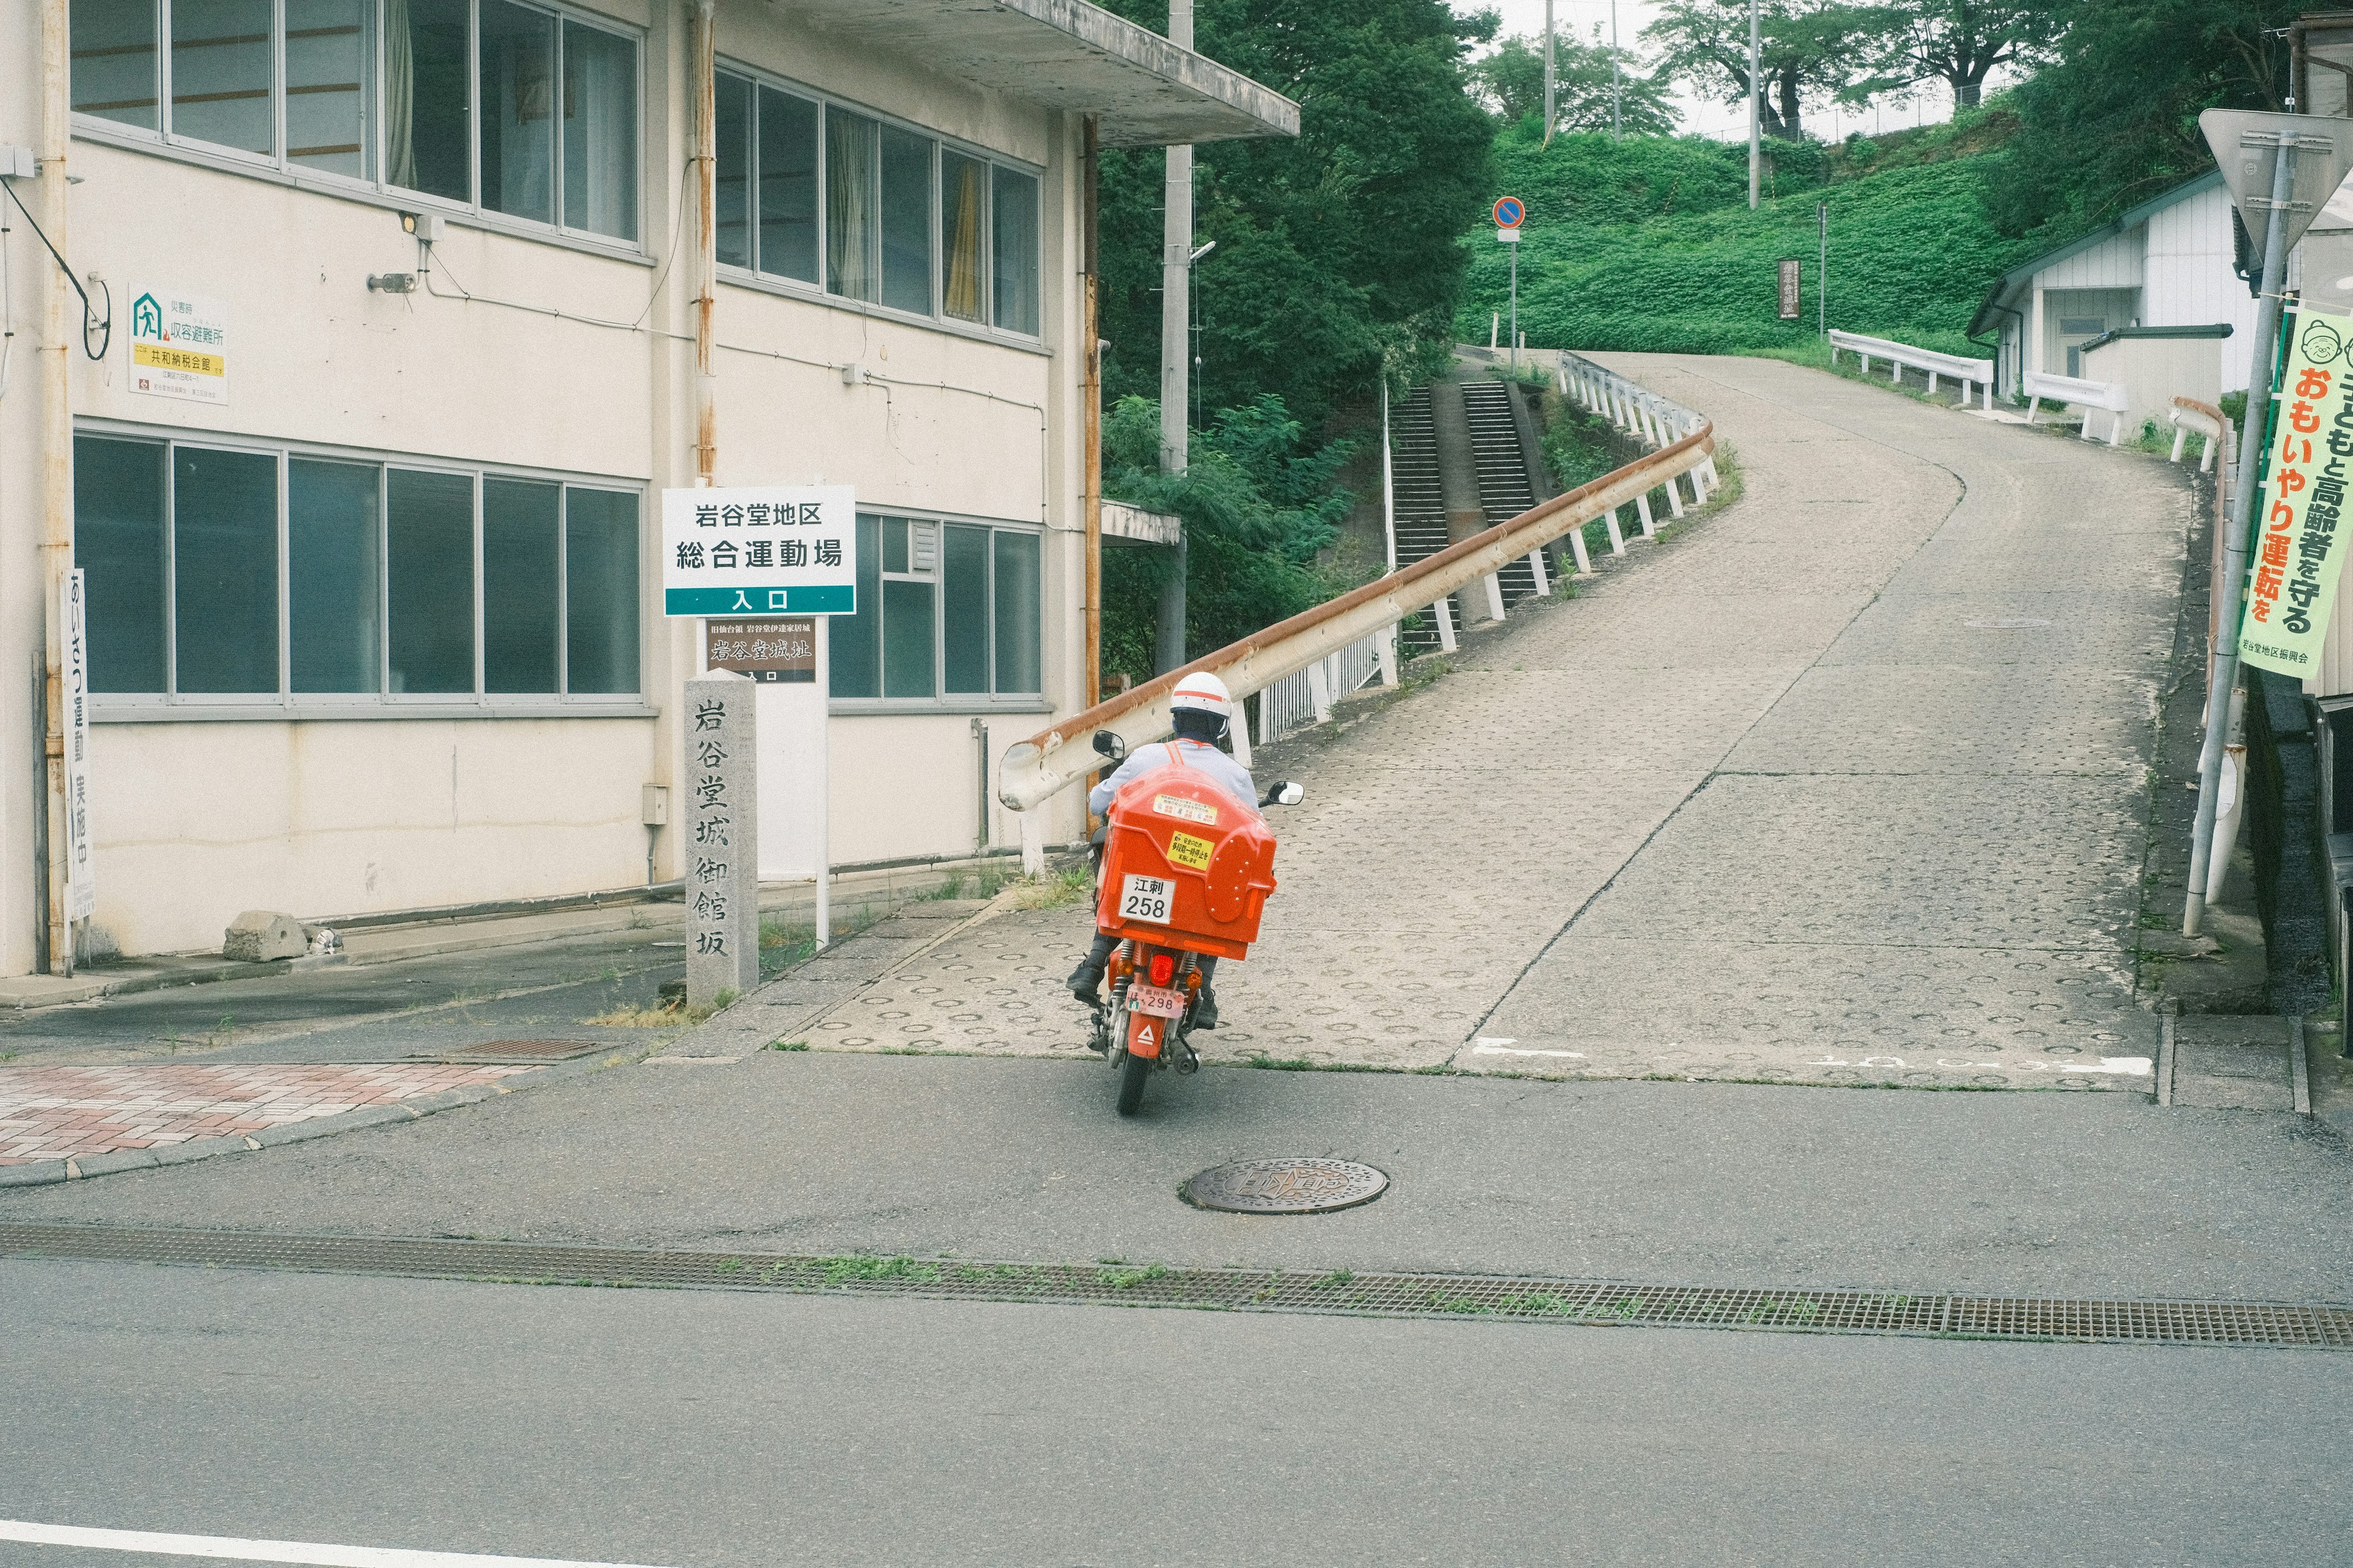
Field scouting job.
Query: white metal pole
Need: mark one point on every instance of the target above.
(2234, 560)
(55, 382)
(1516, 309)
(1617, 119)
(1756, 151)
(1176, 353)
(1548, 75)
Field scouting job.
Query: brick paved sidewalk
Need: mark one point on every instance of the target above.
(61, 1113)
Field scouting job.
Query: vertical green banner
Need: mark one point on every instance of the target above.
(2298, 547)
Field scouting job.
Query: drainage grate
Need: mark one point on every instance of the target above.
(500, 1052)
(1288, 1185)
(1341, 1291)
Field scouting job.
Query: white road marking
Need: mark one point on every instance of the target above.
(307, 1552)
(1483, 1046)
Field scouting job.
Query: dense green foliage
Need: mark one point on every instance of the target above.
(1587, 94)
(1258, 503)
(1336, 251)
(1651, 245)
(2115, 120)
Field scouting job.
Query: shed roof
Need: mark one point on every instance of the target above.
(2131, 218)
(1066, 54)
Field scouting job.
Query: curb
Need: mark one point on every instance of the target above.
(49, 1173)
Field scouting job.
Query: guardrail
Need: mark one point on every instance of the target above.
(2188, 415)
(1968, 371)
(2087, 394)
(1304, 697)
(1647, 417)
(1036, 769)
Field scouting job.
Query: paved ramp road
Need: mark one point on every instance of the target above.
(1842, 785)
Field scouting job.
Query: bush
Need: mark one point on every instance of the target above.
(1259, 505)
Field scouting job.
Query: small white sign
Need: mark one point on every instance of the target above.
(760, 550)
(1147, 898)
(1508, 236)
(81, 884)
(179, 346)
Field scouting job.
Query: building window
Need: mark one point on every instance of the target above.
(946, 611)
(206, 560)
(825, 195)
(385, 92)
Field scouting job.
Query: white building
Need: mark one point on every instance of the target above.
(2165, 263)
(378, 627)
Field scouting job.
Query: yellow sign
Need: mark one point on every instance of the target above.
(1190, 810)
(1188, 851)
(178, 359)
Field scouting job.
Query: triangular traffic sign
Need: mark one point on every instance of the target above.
(2246, 144)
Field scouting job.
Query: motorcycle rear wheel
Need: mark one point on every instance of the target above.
(1133, 1071)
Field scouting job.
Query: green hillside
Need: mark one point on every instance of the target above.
(1648, 244)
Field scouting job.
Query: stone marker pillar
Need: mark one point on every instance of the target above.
(723, 852)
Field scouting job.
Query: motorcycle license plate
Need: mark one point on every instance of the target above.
(1156, 1001)
(1147, 899)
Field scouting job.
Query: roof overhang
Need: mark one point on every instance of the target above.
(2010, 283)
(1143, 90)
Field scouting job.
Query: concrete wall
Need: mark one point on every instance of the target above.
(2154, 370)
(197, 819)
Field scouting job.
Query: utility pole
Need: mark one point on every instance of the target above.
(1822, 271)
(1176, 353)
(1617, 119)
(2252, 433)
(1548, 75)
(1756, 151)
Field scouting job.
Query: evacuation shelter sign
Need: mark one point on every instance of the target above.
(764, 550)
(179, 346)
(2299, 546)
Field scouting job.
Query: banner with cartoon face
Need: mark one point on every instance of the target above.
(2298, 542)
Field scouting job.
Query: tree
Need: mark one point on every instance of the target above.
(1585, 95)
(2115, 119)
(1337, 252)
(1958, 42)
(1807, 47)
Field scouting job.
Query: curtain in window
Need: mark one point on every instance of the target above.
(600, 132)
(961, 194)
(399, 96)
(853, 145)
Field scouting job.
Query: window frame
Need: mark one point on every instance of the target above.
(285, 703)
(942, 700)
(375, 188)
(938, 319)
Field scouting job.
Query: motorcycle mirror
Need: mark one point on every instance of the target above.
(1111, 744)
(1284, 793)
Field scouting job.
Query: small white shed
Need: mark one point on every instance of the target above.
(2168, 262)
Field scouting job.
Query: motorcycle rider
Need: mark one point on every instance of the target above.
(1200, 710)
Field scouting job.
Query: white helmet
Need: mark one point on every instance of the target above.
(1204, 691)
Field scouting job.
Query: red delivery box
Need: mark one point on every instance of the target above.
(1186, 865)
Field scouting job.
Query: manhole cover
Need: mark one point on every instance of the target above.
(1286, 1186)
(502, 1051)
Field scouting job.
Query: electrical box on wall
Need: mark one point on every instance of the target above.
(655, 803)
(18, 163)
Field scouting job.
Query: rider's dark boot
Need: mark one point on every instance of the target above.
(1086, 982)
(1204, 1009)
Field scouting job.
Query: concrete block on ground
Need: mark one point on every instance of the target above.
(261, 936)
(2234, 1063)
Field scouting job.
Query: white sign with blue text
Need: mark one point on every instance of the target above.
(760, 550)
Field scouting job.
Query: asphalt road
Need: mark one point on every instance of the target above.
(708, 1430)
(1688, 1183)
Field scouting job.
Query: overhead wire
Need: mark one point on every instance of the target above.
(89, 318)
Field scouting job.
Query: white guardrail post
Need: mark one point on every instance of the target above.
(2188, 415)
(1298, 667)
(2108, 397)
(1968, 371)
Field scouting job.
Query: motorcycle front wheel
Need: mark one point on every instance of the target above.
(1133, 1071)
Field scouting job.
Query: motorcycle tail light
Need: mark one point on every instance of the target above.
(1164, 968)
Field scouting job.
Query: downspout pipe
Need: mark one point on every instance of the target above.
(55, 382)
